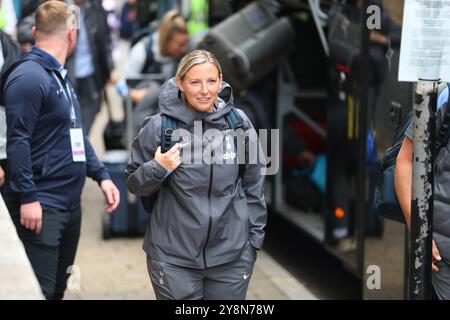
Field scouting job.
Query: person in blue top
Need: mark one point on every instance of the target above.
(440, 264)
(49, 155)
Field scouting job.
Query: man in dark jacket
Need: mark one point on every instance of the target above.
(91, 64)
(440, 264)
(9, 54)
(48, 153)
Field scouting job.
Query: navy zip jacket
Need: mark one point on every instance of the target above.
(39, 153)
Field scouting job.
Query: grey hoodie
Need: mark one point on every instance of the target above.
(205, 214)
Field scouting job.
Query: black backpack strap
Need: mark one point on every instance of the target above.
(444, 132)
(169, 125)
(235, 122)
(234, 119)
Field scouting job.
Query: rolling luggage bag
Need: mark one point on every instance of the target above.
(130, 218)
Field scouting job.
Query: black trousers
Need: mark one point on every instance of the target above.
(90, 99)
(52, 251)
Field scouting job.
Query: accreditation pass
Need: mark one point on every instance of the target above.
(77, 143)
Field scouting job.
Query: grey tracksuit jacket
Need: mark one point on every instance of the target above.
(205, 214)
(441, 211)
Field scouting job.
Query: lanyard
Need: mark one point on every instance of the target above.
(68, 96)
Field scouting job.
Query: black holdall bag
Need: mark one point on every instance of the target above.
(386, 202)
(113, 135)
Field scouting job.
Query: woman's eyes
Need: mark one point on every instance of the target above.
(195, 83)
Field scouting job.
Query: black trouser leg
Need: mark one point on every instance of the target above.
(53, 250)
(90, 100)
(44, 260)
(67, 251)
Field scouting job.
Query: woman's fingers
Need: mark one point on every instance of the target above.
(171, 159)
(174, 149)
(174, 157)
(436, 256)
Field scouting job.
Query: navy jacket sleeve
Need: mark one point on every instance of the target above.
(95, 169)
(23, 98)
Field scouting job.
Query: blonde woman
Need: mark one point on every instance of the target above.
(209, 216)
(157, 53)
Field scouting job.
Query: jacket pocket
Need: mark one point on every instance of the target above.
(39, 167)
(47, 165)
(58, 163)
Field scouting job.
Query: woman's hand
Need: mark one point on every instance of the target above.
(137, 95)
(169, 160)
(2, 177)
(436, 257)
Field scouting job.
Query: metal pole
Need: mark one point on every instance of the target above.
(361, 194)
(277, 190)
(315, 7)
(421, 233)
(406, 273)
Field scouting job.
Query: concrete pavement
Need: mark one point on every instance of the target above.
(17, 279)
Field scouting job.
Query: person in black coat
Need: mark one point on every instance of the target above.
(91, 64)
(10, 54)
(49, 154)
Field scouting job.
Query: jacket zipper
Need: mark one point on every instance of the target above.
(210, 210)
(210, 216)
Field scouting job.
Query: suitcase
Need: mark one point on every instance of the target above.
(130, 218)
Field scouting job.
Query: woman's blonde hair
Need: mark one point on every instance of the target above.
(194, 58)
(172, 22)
